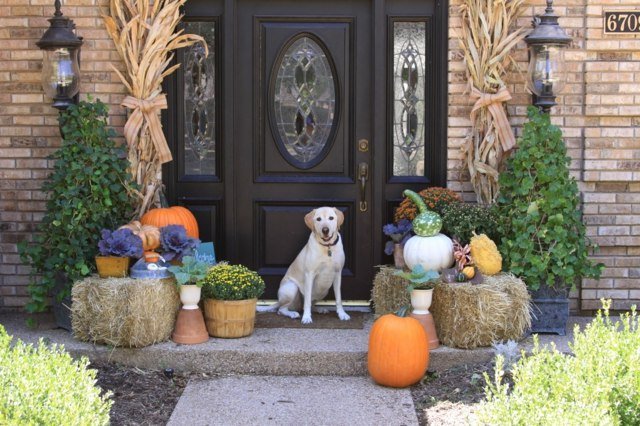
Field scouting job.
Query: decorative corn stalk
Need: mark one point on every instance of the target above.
(486, 40)
(144, 32)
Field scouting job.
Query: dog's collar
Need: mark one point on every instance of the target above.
(330, 245)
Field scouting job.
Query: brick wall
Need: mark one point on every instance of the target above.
(599, 114)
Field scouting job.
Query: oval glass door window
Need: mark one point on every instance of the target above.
(304, 108)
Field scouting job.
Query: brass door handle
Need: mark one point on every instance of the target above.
(363, 176)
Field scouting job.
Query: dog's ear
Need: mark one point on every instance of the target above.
(340, 216)
(308, 219)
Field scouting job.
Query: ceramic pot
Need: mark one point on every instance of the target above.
(112, 266)
(230, 318)
(398, 256)
(421, 301)
(190, 296)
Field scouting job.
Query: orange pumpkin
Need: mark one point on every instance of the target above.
(149, 234)
(175, 215)
(398, 351)
(151, 257)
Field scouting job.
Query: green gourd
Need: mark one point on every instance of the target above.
(427, 223)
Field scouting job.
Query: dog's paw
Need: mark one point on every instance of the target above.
(343, 316)
(290, 314)
(306, 319)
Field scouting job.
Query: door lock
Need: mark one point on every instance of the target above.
(363, 176)
(363, 145)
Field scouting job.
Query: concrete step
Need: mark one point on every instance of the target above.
(267, 352)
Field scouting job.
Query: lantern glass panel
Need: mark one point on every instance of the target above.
(61, 73)
(546, 69)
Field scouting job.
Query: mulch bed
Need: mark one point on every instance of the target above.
(140, 397)
(450, 397)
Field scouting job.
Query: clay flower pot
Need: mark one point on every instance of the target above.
(112, 266)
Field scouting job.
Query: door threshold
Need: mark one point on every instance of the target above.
(349, 305)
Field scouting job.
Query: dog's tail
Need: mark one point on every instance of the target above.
(270, 308)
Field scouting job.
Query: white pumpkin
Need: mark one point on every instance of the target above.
(433, 253)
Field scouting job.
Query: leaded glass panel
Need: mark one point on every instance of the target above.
(409, 47)
(200, 102)
(304, 100)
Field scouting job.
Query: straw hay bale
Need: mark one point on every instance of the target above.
(472, 315)
(124, 311)
(389, 292)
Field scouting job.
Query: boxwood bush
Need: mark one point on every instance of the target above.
(43, 385)
(599, 385)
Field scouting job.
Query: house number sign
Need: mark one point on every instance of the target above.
(622, 22)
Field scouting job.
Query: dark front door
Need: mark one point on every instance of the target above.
(304, 104)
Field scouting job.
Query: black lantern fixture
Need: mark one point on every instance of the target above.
(60, 68)
(547, 43)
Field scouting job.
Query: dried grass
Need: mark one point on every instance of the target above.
(145, 36)
(486, 41)
(389, 292)
(124, 312)
(469, 316)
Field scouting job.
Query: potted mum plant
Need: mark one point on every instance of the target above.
(190, 327)
(231, 293)
(543, 238)
(176, 244)
(116, 249)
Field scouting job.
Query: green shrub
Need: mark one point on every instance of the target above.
(88, 190)
(543, 237)
(44, 386)
(462, 220)
(599, 385)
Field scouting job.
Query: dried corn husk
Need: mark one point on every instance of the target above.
(486, 40)
(145, 36)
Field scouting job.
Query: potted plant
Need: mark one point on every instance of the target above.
(399, 233)
(176, 244)
(88, 190)
(189, 276)
(190, 327)
(231, 293)
(116, 249)
(543, 237)
(420, 287)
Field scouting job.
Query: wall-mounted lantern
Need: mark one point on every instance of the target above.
(60, 68)
(547, 43)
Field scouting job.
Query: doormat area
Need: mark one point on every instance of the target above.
(324, 321)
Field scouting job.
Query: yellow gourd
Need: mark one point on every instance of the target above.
(469, 272)
(485, 254)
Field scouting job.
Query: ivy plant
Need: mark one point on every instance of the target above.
(543, 237)
(88, 190)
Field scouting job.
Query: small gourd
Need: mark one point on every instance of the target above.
(469, 272)
(149, 234)
(427, 223)
(461, 277)
(485, 254)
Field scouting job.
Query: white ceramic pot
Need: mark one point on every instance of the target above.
(190, 296)
(421, 301)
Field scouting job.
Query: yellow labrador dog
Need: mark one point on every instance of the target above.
(317, 267)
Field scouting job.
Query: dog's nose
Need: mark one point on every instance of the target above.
(325, 230)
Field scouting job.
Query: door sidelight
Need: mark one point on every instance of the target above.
(363, 175)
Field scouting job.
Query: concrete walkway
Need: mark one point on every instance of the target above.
(292, 400)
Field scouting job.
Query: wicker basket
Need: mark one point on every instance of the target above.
(230, 318)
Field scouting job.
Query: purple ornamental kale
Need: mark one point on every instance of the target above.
(120, 243)
(398, 232)
(175, 242)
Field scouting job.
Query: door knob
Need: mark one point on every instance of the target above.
(363, 176)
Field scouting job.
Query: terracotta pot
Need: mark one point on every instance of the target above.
(421, 301)
(112, 266)
(230, 318)
(190, 296)
(398, 256)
